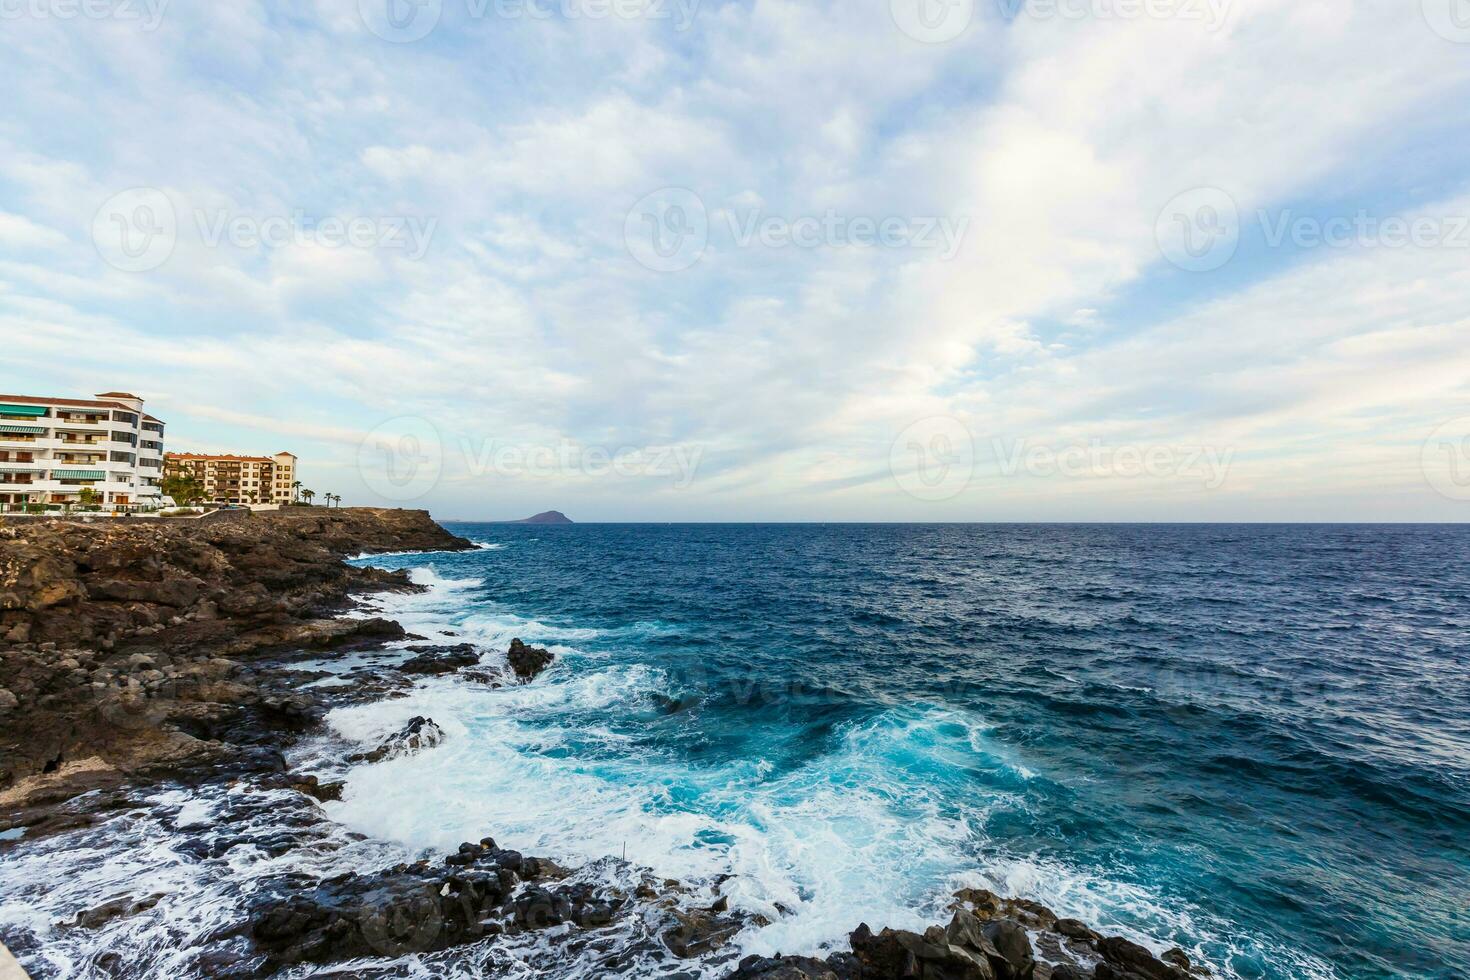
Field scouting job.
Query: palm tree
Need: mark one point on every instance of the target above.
(295, 489)
(307, 495)
(185, 488)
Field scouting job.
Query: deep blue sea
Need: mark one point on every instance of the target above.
(1249, 741)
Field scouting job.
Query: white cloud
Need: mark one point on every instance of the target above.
(17, 232)
(527, 142)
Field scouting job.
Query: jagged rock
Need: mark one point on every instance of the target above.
(420, 908)
(699, 931)
(1073, 929)
(293, 712)
(318, 634)
(106, 628)
(1066, 971)
(527, 661)
(987, 939)
(899, 953)
(1128, 959)
(1015, 948)
(790, 968)
(313, 787)
(117, 908)
(420, 733)
(441, 660)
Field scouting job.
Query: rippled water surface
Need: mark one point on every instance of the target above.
(1251, 742)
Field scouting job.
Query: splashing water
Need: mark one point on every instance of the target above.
(844, 724)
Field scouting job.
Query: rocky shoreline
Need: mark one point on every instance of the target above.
(136, 656)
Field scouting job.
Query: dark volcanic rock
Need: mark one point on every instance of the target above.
(420, 733)
(960, 952)
(342, 635)
(526, 661)
(1176, 957)
(1126, 959)
(441, 660)
(793, 968)
(417, 908)
(315, 788)
(123, 644)
(116, 908)
(296, 712)
(989, 938)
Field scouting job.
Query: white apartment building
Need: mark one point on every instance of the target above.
(53, 448)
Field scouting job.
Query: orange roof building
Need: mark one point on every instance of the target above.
(235, 479)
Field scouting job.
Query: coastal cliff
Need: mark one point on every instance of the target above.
(137, 654)
(119, 638)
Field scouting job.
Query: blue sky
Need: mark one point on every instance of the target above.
(618, 257)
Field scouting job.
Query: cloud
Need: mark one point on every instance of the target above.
(17, 232)
(527, 319)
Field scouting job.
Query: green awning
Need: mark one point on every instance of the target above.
(9, 468)
(33, 430)
(34, 410)
(77, 474)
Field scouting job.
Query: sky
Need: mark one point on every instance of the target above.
(674, 260)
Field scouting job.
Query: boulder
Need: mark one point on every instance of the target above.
(1128, 959)
(419, 908)
(789, 968)
(898, 953)
(441, 660)
(527, 661)
(117, 908)
(420, 733)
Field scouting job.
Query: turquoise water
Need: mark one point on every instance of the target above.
(1249, 741)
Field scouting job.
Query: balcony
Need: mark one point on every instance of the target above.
(13, 432)
(22, 413)
(69, 475)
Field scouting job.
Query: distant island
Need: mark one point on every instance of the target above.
(547, 517)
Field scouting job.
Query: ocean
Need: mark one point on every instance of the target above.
(1251, 742)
